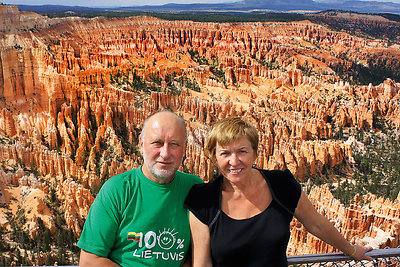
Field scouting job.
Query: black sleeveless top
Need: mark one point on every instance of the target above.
(257, 241)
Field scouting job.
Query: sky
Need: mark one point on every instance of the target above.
(120, 3)
(108, 3)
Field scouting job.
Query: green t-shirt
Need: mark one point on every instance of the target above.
(137, 222)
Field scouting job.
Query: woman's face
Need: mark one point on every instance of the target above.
(235, 159)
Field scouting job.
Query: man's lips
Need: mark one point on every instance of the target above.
(164, 162)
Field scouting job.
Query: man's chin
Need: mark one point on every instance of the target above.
(163, 175)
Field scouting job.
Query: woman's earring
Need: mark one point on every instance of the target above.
(215, 172)
(254, 166)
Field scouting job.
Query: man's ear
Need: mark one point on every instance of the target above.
(141, 145)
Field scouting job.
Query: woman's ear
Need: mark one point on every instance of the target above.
(214, 161)
(215, 171)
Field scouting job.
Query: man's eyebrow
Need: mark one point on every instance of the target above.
(176, 140)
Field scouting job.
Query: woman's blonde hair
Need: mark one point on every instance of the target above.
(228, 130)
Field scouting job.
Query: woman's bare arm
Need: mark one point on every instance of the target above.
(200, 242)
(322, 228)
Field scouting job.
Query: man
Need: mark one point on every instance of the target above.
(138, 218)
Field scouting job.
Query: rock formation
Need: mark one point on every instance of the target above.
(376, 225)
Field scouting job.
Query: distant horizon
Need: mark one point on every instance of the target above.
(126, 3)
(117, 3)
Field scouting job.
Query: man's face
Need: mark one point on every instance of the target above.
(162, 147)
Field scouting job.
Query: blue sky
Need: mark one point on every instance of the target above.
(108, 3)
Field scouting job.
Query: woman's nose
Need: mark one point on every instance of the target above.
(234, 159)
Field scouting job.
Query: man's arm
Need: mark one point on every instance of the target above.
(88, 259)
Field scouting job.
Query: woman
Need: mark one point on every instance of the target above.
(242, 217)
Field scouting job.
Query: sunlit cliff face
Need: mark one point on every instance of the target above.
(74, 94)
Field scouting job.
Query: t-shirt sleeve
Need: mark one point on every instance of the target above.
(294, 191)
(286, 189)
(100, 229)
(202, 202)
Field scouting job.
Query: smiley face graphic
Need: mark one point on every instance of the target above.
(166, 239)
